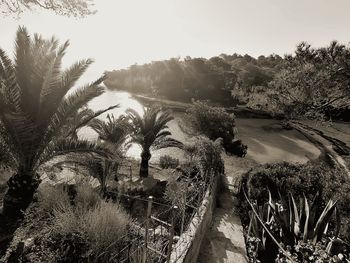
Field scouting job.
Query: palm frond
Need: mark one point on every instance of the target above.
(52, 77)
(6, 155)
(65, 146)
(24, 62)
(84, 118)
(165, 142)
(10, 90)
(51, 99)
(68, 108)
(114, 130)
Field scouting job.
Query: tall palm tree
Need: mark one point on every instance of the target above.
(35, 107)
(150, 131)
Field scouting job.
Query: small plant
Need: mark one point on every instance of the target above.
(166, 162)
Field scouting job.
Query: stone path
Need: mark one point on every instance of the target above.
(224, 243)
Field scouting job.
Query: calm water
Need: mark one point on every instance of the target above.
(266, 140)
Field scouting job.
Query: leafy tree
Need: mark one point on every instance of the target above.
(76, 8)
(35, 109)
(314, 82)
(150, 131)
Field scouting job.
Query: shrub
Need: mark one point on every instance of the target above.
(205, 154)
(282, 222)
(237, 148)
(85, 227)
(309, 252)
(86, 196)
(166, 161)
(105, 224)
(52, 197)
(213, 122)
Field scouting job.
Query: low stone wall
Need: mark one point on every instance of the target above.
(187, 248)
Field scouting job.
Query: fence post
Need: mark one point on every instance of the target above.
(130, 173)
(183, 214)
(148, 216)
(172, 232)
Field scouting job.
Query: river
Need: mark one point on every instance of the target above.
(267, 141)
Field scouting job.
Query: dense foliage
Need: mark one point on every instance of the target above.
(166, 161)
(196, 78)
(214, 123)
(69, 226)
(310, 83)
(76, 8)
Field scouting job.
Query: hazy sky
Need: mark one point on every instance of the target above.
(139, 31)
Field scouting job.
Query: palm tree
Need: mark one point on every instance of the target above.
(94, 165)
(35, 107)
(151, 131)
(114, 131)
(113, 134)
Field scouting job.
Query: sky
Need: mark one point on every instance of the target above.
(125, 32)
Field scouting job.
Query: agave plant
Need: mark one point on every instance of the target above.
(35, 108)
(307, 224)
(151, 131)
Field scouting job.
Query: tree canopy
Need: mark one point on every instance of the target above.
(314, 82)
(75, 8)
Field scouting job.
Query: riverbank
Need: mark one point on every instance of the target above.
(240, 111)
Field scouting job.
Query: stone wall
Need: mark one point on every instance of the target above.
(187, 248)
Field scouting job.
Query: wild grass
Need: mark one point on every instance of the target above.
(102, 224)
(52, 197)
(105, 224)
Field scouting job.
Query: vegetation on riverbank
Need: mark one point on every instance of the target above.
(311, 83)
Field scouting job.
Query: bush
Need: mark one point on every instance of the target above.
(206, 155)
(85, 229)
(52, 197)
(237, 148)
(166, 162)
(213, 122)
(105, 224)
(101, 223)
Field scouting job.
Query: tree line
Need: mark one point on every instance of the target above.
(310, 83)
(196, 78)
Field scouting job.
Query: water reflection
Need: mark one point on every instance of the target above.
(110, 98)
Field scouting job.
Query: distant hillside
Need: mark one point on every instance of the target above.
(196, 78)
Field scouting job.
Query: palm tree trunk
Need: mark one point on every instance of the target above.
(145, 157)
(19, 196)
